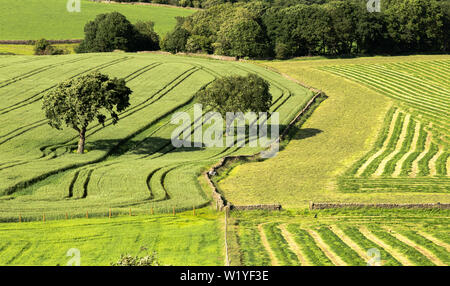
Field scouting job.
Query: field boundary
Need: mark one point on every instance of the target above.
(145, 4)
(31, 42)
(321, 206)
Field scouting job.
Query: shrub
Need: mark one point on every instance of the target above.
(128, 260)
(109, 32)
(43, 47)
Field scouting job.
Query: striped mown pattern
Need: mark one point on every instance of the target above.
(412, 152)
(345, 244)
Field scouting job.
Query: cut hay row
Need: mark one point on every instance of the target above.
(387, 137)
(413, 147)
(398, 148)
(429, 98)
(346, 244)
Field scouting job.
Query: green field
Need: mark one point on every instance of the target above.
(181, 240)
(131, 165)
(325, 238)
(7, 49)
(35, 19)
(381, 136)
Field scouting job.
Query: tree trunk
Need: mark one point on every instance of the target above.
(81, 141)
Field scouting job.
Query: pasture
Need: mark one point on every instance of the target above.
(183, 239)
(130, 165)
(35, 19)
(381, 136)
(341, 238)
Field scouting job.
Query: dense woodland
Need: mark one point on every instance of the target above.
(260, 30)
(290, 28)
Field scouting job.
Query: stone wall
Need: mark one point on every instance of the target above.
(322, 206)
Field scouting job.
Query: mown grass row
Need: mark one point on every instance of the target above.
(437, 250)
(405, 147)
(431, 102)
(390, 147)
(386, 258)
(329, 224)
(411, 253)
(308, 246)
(279, 245)
(347, 254)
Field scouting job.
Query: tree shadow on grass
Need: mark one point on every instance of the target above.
(147, 146)
(302, 133)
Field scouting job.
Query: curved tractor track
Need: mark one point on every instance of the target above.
(133, 164)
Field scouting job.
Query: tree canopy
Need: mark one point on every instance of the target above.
(77, 102)
(237, 94)
(289, 28)
(112, 31)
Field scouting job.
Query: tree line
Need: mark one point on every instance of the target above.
(284, 29)
(260, 29)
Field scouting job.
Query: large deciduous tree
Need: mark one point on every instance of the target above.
(237, 94)
(112, 31)
(79, 101)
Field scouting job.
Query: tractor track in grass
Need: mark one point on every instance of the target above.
(285, 95)
(397, 255)
(38, 71)
(24, 126)
(149, 125)
(22, 62)
(38, 96)
(425, 252)
(19, 253)
(293, 245)
(347, 240)
(265, 242)
(334, 258)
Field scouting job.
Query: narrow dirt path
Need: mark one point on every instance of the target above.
(432, 162)
(415, 164)
(397, 149)
(265, 242)
(293, 245)
(397, 255)
(347, 240)
(435, 240)
(398, 167)
(430, 256)
(379, 152)
(335, 259)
